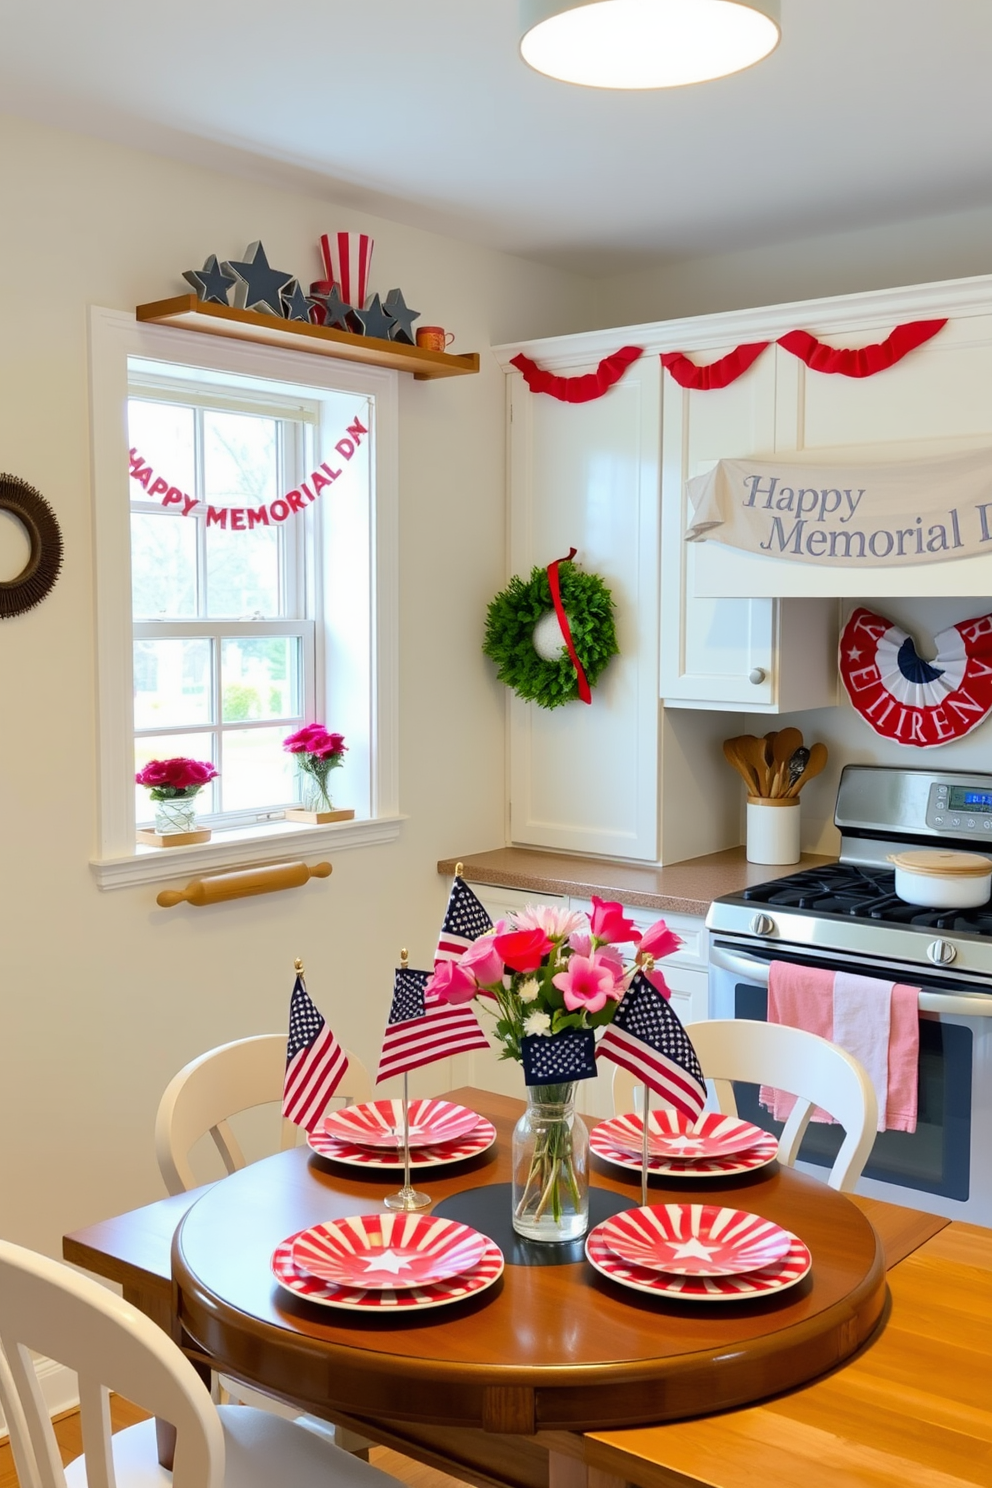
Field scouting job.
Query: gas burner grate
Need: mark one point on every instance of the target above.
(862, 894)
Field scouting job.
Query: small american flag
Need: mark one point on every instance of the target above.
(315, 1062)
(647, 1039)
(420, 1031)
(560, 1058)
(465, 919)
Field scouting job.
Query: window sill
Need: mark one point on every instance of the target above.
(279, 841)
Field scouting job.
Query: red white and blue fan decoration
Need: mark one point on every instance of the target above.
(385, 1252)
(907, 699)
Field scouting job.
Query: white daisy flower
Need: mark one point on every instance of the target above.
(537, 1023)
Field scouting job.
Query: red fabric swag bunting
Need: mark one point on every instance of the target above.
(585, 692)
(582, 389)
(863, 361)
(718, 374)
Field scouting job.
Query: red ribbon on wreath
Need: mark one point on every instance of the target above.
(582, 389)
(584, 690)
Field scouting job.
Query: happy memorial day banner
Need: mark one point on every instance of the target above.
(850, 516)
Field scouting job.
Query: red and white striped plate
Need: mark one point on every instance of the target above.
(479, 1139)
(380, 1123)
(603, 1144)
(787, 1272)
(695, 1239)
(672, 1135)
(386, 1252)
(405, 1299)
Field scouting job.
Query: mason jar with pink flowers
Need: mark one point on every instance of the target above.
(317, 753)
(173, 785)
(550, 977)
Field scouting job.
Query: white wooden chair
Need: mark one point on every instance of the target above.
(50, 1309)
(219, 1084)
(816, 1071)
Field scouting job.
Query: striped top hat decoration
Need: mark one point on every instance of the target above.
(347, 260)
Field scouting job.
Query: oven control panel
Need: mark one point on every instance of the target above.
(960, 810)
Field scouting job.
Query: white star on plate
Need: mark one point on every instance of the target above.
(693, 1247)
(684, 1142)
(386, 1260)
(854, 654)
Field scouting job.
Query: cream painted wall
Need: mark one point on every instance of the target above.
(947, 247)
(104, 996)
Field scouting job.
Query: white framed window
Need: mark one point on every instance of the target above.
(246, 583)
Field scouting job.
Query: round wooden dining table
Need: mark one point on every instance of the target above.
(550, 1346)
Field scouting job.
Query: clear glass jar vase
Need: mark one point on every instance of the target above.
(178, 814)
(550, 1167)
(314, 795)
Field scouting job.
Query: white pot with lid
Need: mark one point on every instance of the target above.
(939, 878)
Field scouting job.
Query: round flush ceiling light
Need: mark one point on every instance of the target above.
(646, 43)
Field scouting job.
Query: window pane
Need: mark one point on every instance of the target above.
(239, 459)
(162, 433)
(163, 566)
(243, 573)
(260, 678)
(257, 771)
(172, 746)
(171, 683)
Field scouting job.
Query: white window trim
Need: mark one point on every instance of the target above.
(114, 337)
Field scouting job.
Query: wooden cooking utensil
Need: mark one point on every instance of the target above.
(784, 745)
(757, 752)
(733, 755)
(817, 760)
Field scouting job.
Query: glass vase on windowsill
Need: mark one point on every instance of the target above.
(173, 786)
(317, 753)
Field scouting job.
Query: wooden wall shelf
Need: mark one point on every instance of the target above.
(191, 314)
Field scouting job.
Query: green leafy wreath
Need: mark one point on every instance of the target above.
(510, 622)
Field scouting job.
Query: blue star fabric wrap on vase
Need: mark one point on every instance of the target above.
(560, 1058)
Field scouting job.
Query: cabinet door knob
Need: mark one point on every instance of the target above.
(757, 675)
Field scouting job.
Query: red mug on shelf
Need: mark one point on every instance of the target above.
(434, 338)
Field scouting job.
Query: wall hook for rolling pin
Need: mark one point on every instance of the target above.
(218, 887)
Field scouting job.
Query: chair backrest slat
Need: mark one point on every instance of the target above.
(219, 1084)
(50, 1309)
(818, 1072)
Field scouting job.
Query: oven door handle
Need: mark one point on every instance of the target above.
(756, 972)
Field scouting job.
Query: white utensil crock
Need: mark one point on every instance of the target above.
(773, 829)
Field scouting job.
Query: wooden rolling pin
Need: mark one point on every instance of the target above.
(221, 886)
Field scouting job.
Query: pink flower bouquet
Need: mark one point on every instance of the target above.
(168, 779)
(548, 969)
(317, 754)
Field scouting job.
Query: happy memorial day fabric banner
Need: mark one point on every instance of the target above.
(850, 515)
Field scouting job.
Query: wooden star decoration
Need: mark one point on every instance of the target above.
(258, 286)
(295, 304)
(403, 317)
(212, 283)
(336, 312)
(374, 320)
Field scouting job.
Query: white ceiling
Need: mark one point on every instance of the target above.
(870, 111)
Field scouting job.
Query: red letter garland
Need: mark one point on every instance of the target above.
(246, 519)
(861, 361)
(911, 700)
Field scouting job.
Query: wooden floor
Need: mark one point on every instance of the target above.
(123, 1413)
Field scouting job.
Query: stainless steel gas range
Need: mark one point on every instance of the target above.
(846, 917)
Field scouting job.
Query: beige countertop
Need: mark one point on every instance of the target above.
(688, 887)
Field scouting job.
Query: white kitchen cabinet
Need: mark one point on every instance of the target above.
(763, 654)
(585, 777)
